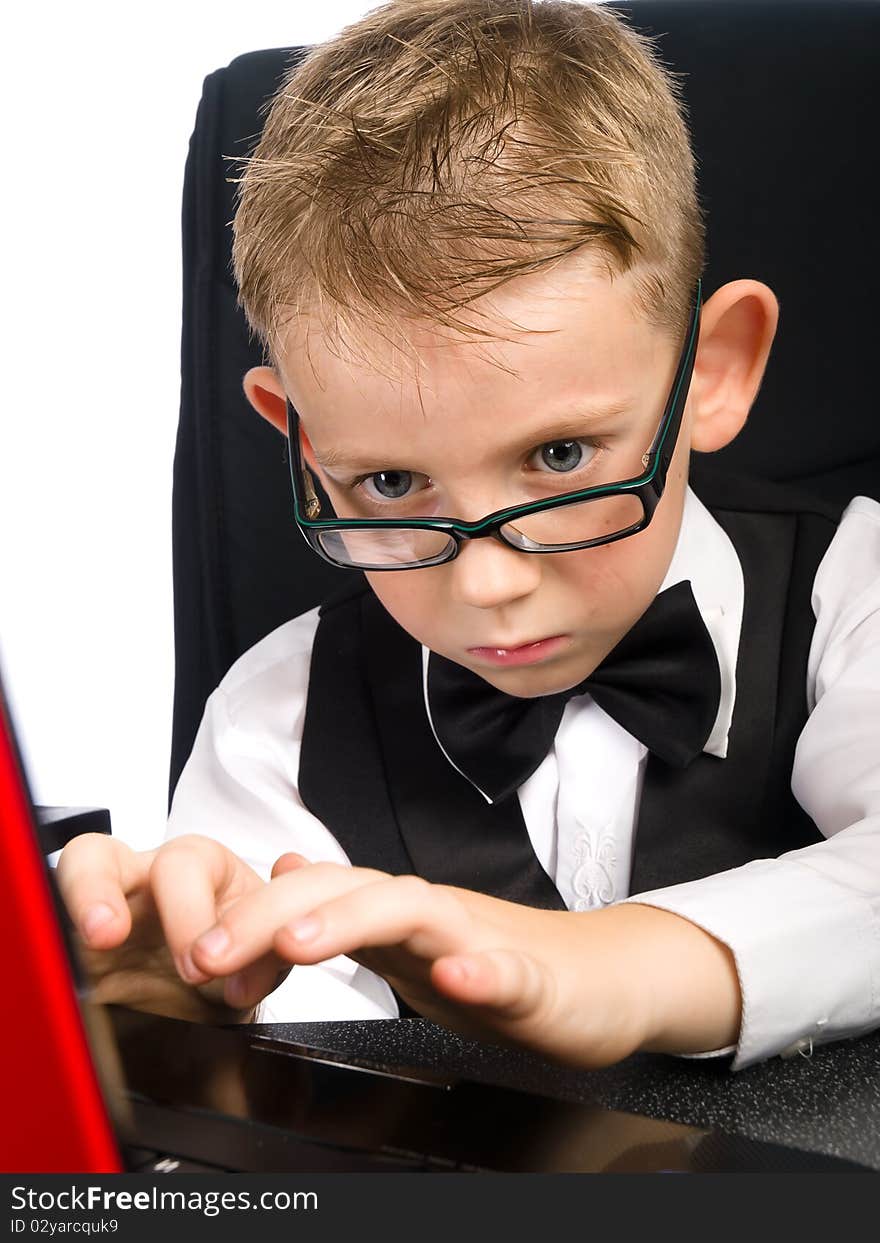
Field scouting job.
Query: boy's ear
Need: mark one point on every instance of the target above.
(266, 394)
(737, 327)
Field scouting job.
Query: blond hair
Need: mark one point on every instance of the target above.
(436, 149)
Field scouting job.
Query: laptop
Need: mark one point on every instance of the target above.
(106, 1089)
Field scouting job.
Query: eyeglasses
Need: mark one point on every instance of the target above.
(596, 515)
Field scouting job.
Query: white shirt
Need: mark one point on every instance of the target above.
(804, 928)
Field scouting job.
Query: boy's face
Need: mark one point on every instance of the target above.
(468, 437)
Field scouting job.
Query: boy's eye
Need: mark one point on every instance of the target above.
(562, 455)
(390, 485)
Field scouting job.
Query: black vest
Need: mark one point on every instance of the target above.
(373, 773)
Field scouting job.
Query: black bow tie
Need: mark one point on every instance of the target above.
(661, 683)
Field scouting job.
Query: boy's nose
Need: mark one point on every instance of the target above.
(488, 573)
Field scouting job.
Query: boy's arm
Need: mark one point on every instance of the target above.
(805, 928)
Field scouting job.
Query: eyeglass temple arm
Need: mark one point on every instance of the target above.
(681, 385)
(313, 504)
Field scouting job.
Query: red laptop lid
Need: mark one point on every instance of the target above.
(56, 1119)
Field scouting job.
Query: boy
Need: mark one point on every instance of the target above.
(470, 241)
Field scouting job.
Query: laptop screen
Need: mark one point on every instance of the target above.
(55, 1104)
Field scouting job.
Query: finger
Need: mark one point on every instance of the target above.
(511, 984)
(187, 876)
(244, 989)
(288, 862)
(95, 875)
(246, 930)
(402, 910)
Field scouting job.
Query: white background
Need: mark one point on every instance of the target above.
(99, 101)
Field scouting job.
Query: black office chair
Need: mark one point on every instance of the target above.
(782, 97)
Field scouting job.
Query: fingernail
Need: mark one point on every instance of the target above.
(466, 968)
(305, 929)
(96, 917)
(214, 942)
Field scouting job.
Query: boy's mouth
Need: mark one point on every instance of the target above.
(525, 654)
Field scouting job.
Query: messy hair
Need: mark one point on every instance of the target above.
(436, 149)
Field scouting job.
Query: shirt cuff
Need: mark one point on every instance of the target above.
(806, 950)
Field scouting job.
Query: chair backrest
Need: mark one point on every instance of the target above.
(782, 97)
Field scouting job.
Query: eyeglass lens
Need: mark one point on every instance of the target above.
(545, 531)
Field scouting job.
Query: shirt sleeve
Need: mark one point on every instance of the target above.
(239, 786)
(804, 929)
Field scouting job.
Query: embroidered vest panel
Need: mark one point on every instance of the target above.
(373, 773)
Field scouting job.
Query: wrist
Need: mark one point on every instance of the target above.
(683, 985)
(605, 996)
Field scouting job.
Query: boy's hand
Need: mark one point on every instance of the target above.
(137, 913)
(559, 982)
